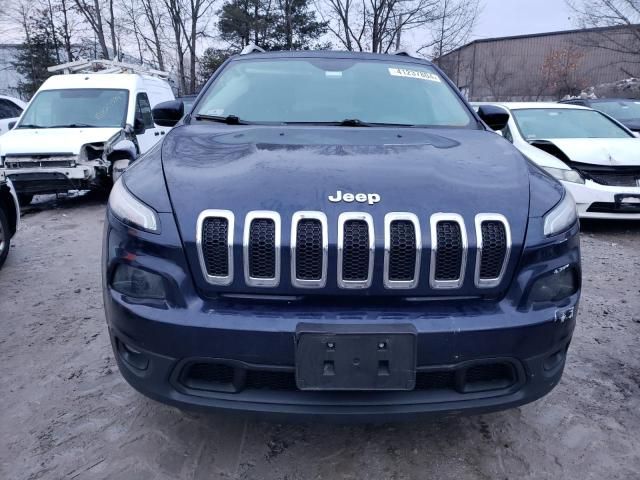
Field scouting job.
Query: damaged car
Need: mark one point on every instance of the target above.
(9, 216)
(339, 234)
(80, 131)
(596, 158)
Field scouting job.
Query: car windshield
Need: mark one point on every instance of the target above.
(544, 123)
(619, 109)
(321, 90)
(77, 107)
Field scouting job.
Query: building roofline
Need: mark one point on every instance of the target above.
(542, 34)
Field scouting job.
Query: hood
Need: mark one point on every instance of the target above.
(52, 140)
(270, 168)
(612, 152)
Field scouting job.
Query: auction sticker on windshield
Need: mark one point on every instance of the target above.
(403, 72)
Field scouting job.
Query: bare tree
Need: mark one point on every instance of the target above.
(496, 75)
(375, 25)
(91, 11)
(193, 30)
(453, 28)
(175, 9)
(611, 13)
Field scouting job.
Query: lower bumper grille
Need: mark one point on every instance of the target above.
(219, 377)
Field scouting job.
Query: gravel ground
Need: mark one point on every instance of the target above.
(67, 413)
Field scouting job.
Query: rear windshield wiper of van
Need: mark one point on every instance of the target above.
(229, 119)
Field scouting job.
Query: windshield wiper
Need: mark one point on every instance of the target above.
(74, 125)
(30, 125)
(229, 119)
(353, 122)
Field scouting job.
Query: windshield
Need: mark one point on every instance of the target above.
(619, 109)
(78, 107)
(321, 90)
(543, 123)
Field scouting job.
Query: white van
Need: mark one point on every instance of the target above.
(81, 130)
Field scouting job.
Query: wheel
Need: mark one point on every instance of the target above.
(24, 199)
(5, 237)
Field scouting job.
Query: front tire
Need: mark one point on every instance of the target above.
(5, 237)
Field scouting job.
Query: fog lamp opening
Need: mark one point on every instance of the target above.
(559, 284)
(138, 283)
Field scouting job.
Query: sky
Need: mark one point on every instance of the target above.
(500, 18)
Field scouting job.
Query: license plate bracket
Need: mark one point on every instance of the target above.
(355, 357)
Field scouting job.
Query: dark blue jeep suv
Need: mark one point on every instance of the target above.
(341, 235)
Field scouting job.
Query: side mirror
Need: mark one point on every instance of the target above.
(167, 114)
(138, 126)
(496, 117)
(10, 125)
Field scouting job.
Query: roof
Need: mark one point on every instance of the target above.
(334, 54)
(543, 34)
(129, 81)
(530, 105)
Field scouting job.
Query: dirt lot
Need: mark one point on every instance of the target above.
(67, 413)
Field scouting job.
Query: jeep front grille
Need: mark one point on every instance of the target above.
(494, 245)
(355, 250)
(309, 253)
(262, 249)
(309, 244)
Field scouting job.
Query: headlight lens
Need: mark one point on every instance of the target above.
(565, 175)
(556, 286)
(131, 210)
(561, 217)
(137, 283)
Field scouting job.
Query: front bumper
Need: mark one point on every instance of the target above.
(51, 180)
(260, 349)
(247, 347)
(601, 201)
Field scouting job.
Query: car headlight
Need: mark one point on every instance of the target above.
(561, 217)
(564, 174)
(130, 210)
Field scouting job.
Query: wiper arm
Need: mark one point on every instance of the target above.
(30, 125)
(353, 122)
(229, 119)
(74, 125)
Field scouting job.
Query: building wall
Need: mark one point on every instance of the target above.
(513, 68)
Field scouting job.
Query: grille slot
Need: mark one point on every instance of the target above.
(448, 250)
(309, 245)
(494, 246)
(215, 232)
(403, 245)
(215, 245)
(355, 250)
(262, 249)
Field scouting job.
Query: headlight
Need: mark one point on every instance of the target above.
(564, 174)
(137, 283)
(561, 283)
(131, 210)
(561, 217)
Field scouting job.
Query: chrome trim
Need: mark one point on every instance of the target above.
(388, 219)
(303, 215)
(342, 218)
(433, 221)
(216, 279)
(256, 215)
(495, 217)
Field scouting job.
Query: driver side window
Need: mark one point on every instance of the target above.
(143, 110)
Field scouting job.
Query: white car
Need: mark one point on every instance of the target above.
(595, 157)
(80, 131)
(10, 110)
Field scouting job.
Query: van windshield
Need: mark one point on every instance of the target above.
(76, 108)
(328, 90)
